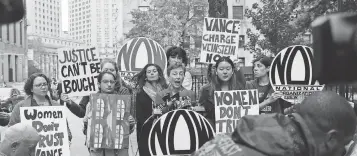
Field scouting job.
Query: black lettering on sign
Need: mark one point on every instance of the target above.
(39, 126)
(199, 129)
(230, 125)
(236, 98)
(72, 70)
(230, 112)
(50, 140)
(79, 85)
(95, 67)
(50, 152)
(283, 68)
(78, 54)
(42, 114)
(222, 25)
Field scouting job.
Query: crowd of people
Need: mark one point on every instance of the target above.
(322, 125)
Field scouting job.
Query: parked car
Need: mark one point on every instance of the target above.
(9, 97)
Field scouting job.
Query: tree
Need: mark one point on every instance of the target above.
(308, 10)
(275, 23)
(169, 22)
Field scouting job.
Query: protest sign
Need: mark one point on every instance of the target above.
(230, 106)
(220, 38)
(291, 73)
(178, 132)
(51, 123)
(109, 126)
(78, 69)
(137, 53)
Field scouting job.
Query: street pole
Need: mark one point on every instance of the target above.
(342, 87)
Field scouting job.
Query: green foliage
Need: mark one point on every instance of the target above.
(169, 21)
(283, 22)
(274, 22)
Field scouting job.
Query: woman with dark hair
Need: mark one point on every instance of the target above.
(106, 66)
(225, 79)
(36, 87)
(150, 81)
(269, 100)
(177, 55)
(106, 83)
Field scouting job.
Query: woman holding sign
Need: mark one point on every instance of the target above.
(225, 79)
(269, 100)
(106, 83)
(36, 87)
(106, 66)
(150, 81)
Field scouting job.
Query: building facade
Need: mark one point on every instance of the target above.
(45, 34)
(13, 67)
(97, 23)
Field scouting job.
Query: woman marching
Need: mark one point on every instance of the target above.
(150, 81)
(224, 79)
(106, 83)
(36, 87)
(269, 101)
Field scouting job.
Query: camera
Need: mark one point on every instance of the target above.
(335, 48)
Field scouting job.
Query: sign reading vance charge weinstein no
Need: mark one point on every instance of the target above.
(220, 38)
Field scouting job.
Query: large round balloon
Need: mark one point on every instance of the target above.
(291, 73)
(179, 132)
(138, 52)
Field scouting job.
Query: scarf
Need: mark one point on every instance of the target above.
(151, 90)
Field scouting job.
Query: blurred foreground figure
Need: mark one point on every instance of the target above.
(322, 125)
(11, 11)
(20, 140)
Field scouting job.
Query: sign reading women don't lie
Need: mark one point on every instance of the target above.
(78, 69)
(230, 106)
(50, 122)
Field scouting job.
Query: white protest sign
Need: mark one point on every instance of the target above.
(230, 106)
(78, 69)
(50, 122)
(220, 38)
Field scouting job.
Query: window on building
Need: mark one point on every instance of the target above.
(14, 32)
(241, 61)
(241, 41)
(21, 23)
(238, 12)
(7, 32)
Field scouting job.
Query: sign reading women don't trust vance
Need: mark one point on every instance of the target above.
(78, 70)
(50, 122)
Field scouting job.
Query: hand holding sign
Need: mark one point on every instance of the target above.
(275, 96)
(65, 98)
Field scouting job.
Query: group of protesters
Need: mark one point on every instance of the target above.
(323, 124)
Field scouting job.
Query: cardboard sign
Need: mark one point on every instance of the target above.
(79, 69)
(137, 53)
(109, 125)
(127, 76)
(291, 73)
(178, 132)
(220, 38)
(230, 106)
(50, 122)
